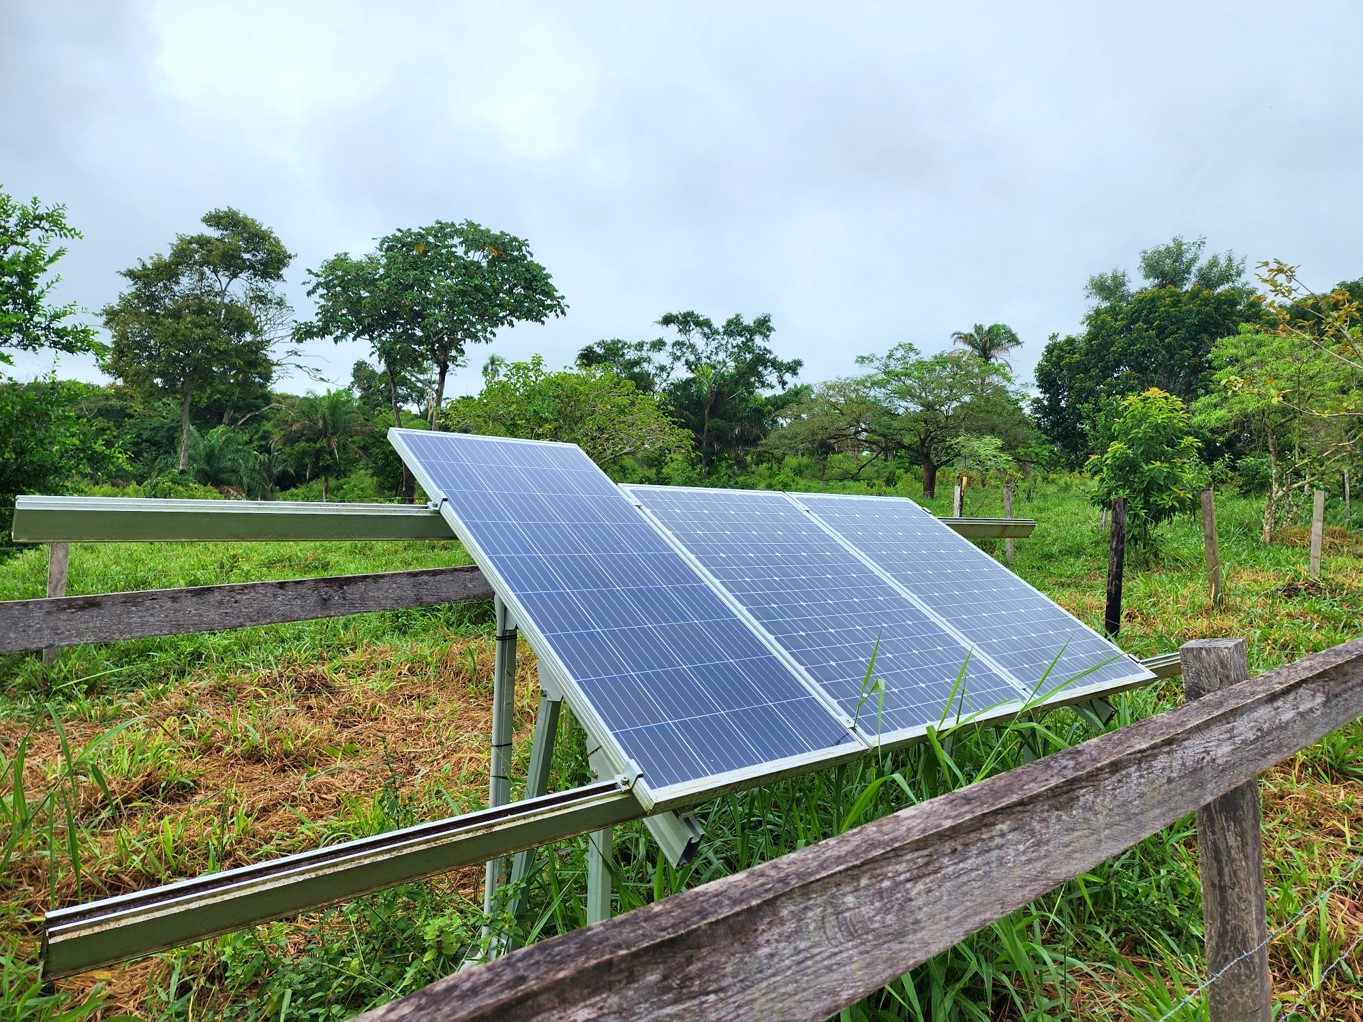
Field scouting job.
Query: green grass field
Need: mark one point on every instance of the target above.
(131, 764)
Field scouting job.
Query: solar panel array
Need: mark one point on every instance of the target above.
(1039, 643)
(724, 635)
(888, 665)
(680, 684)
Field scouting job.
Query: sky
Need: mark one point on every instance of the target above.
(865, 173)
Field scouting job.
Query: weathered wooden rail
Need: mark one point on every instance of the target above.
(807, 934)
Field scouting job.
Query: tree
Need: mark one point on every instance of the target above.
(981, 457)
(28, 252)
(990, 343)
(607, 416)
(1292, 385)
(722, 381)
(928, 402)
(423, 296)
(46, 443)
(318, 434)
(205, 316)
(1152, 462)
(1158, 336)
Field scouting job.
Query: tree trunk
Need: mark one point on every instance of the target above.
(184, 430)
(408, 483)
(929, 479)
(1271, 507)
(440, 373)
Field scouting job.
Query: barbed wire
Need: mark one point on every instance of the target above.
(1309, 907)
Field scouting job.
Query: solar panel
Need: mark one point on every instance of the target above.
(830, 612)
(1038, 642)
(668, 674)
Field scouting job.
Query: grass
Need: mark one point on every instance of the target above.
(134, 763)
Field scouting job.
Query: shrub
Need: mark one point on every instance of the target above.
(1151, 462)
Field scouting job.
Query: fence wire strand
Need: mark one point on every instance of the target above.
(1310, 906)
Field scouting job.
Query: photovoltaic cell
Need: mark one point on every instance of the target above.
(681, 683)
(1018, 627)
(829, 611)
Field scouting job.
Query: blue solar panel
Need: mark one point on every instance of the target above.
(1018, 627)
(676, 680)
(828, 610)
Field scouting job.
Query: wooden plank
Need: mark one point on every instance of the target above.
(1317, 530)
(1209, 545)
(68, 620)
(1230, 859)
(807, 934)
(58, 561)
(1116, 561)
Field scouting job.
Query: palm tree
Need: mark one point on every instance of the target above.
(990, 342)
(321, 431)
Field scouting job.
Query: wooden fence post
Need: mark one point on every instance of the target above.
(58, 560)
(1317, 531)
(1209, 544)
(1116, 562)
(958, 500)
(1230, 860)
(1008, 549)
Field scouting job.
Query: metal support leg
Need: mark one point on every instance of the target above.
(1097, 711)
(599, 856)
(537, 780)
(503, 700)
(598, 876)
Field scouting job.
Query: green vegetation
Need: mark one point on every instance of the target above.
(224, 748)
(135, 763)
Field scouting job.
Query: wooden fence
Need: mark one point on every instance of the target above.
(805, 935)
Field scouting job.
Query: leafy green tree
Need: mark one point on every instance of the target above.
(981, 459)
(991, 343)
(1292, 386)
(206, 316)
(223, 458)
(1152, 461)
(428, 293)
(46, 443)
(722, 381)
(607, 416)
(29, 249)
(319, 433)
(1160, 335)
(928, 402)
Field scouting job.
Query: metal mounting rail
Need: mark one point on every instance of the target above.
(1163, 665)
(148, 519)
(128, 926)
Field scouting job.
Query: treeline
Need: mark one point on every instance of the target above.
(1184, 375)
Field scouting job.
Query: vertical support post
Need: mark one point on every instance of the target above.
(537, 780)
(58, 560)
(1230, 860)
(1008, 545)
(1116, 563)
(1347, 513)
(503, 700)
(1209, 544)
(598, 876)
(958, 499)
(599, 879)
(1317, 530)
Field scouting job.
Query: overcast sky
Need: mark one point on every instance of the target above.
(866, 174)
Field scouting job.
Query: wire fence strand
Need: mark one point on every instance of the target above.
(1310, 906)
